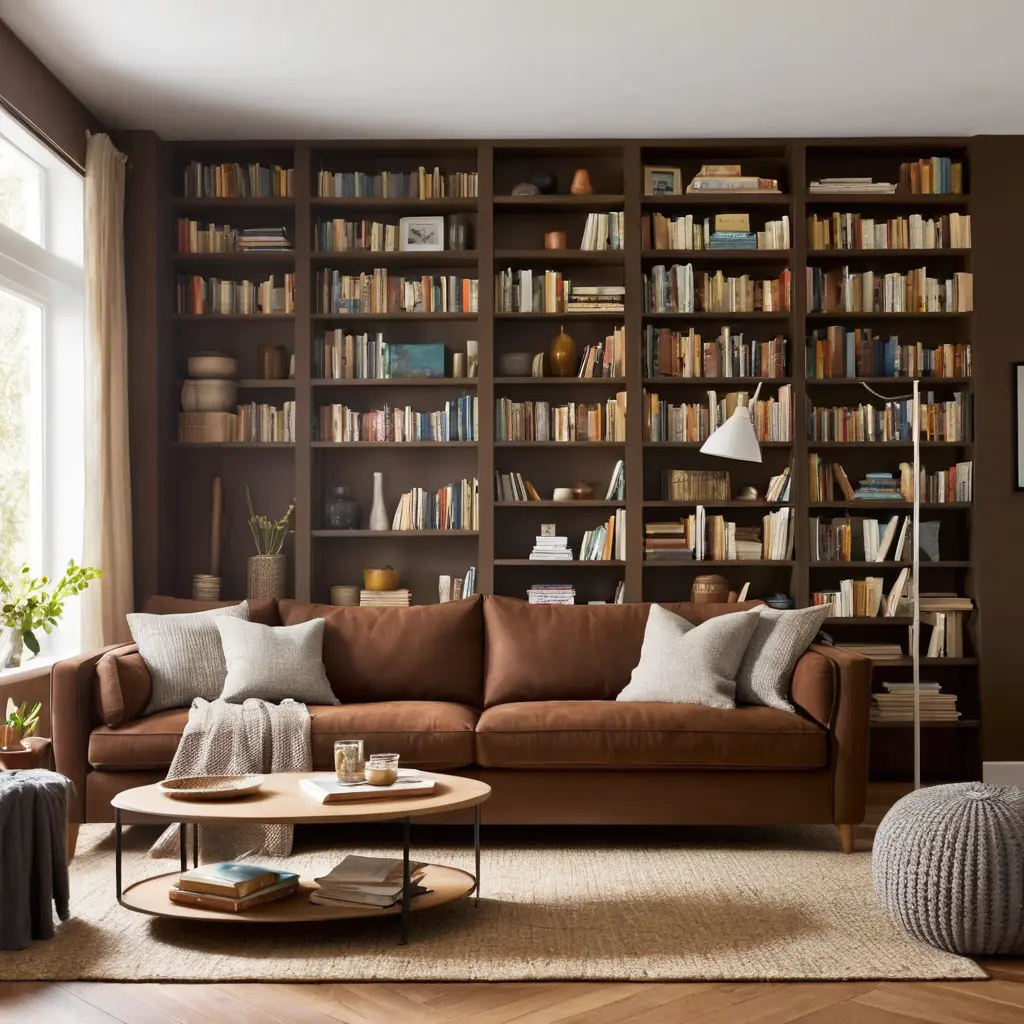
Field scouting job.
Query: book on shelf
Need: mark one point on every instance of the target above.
(704, 537)
(695, 485)
(895, 703)
(606, 542)
(419, 184)
(865, 185)
(850, 539)
(824, 478)
(456, 588)
(937, 176)
(874, 652)
(671, 353)
(841, 290)
(385, 598)
(340, 235)
(695, 421)
(617, 483)
(381, 292)
(838, 352)
(340, 355)
(542, 421)
(948, 421)
(779, 486)
(604, 231)
(837, 231)
(605, 298)
(513, 487)
(368, 881)
(195, 237)
(452, 507)
(946, 614)
(328, 790)
(264, 240)
(457, 421)
(948, 485)
(620, 593)
(679, 289)
(286, 884)
(860, 598)
(605, 358)
(228, 878)
(215, 296)
(551, 549)
(551, 593)
(235, 181)
(257, 422)
(729, 178)
(731, 231)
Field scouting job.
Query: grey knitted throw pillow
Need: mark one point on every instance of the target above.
(685, 664)
(183, 654)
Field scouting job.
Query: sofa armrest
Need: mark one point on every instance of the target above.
(73, 717)
(848, 730)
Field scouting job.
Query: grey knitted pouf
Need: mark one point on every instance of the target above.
(948, 863)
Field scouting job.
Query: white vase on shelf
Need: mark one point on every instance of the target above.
(379, 518)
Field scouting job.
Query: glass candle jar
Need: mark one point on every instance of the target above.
(382, 769)
(348, 760)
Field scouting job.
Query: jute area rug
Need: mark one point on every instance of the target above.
(690, 904)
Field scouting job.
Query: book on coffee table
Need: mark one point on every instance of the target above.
(328, 790)
(228, 878)
(287, 884)
(368, 881)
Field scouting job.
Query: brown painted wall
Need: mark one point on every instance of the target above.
(997, 222)
(40, 98)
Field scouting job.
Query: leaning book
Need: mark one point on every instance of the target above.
(328, 790)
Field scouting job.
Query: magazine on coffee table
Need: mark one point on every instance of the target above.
(328, 790)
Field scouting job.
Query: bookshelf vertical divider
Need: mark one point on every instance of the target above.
(306, 480)
(487, 369)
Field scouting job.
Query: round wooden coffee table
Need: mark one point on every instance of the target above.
(280, 800)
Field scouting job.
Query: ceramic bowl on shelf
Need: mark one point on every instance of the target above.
(562, 494)
(515, 364)
(209, 395)
(212, 364)
(380, 579)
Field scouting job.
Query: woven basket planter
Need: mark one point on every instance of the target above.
(265, 576)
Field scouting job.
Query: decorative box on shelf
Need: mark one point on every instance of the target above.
(206, 427)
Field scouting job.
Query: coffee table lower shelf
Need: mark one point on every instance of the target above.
(149, 896)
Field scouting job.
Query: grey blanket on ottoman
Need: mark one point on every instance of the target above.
(33, 855)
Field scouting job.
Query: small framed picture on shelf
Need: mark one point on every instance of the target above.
(1018, 425)
(663, 181)
(421, 234)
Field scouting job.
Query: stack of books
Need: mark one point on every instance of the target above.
(551, 593)
(831, 186)
(878, 487)
(232, 887)
(729, 178)
(667, 541)
(896, 704)
(385, 598)
(551, 549)
(609, 298)
(733, 240)
(367, 882)
(874, 652)
(264, 240)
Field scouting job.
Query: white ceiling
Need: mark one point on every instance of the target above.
(536, 68)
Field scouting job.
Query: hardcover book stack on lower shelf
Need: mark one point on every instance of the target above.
(367, 882)
(896, 704)
(232, 887)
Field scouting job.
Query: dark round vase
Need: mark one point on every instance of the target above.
(341, 510)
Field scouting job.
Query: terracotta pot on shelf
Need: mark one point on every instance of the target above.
(562, 355)
(581, 185)
(556, 240)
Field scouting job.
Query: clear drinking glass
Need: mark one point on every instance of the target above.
(382, 769)
(349, 765)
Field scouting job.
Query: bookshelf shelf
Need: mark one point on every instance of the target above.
(720, 317)
(560, 381)
(838, 199)
(821, 317)
(355, 317)
(368, 258)
(602, 257)
(882, 663)
(280, 445)
(748, 563)
(877, 620)
(597, 314)
(737, 382)
(601, 202)
(394, 534)
(961, 723)
(393, 382)
(888, 444)
(559, 444)
(882, 254)
(234, 317)
(697, 444)
(549, 563)
(722, 198)
(404, 206)
(568, 505)
(259, 383)
(896, 506)
(394, 444)
(842, 566)
(716, 504)
(852, 382)
(183, 204)
(235, 260)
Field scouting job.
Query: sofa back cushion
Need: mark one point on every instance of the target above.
(426, 652)
(262, 610)
(577, 652)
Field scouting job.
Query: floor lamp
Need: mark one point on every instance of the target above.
(736, 439)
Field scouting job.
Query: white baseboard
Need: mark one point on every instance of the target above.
(1003, 773)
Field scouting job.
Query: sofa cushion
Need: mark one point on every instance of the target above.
(262, 610)
(570, 652)
(123, 685)
(612, 734)
(427, 652)
(427, 734)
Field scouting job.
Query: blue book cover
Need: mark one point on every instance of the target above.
(415, 360)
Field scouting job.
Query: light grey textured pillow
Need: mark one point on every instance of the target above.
(779, 639)
(681, 663)
(275, 662)
(183, 654)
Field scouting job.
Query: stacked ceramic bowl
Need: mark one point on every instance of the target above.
(210, 387)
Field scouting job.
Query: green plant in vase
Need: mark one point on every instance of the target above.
(265, 572)
(26, 606)
(18, 723)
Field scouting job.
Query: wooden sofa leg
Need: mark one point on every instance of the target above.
(846, 837)
(72, 839)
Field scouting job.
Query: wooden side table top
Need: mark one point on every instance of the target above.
(37, 752)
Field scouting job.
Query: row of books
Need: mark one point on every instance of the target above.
(853, 185)
(669, 353)
(826, 478)
(695, 485)
(514, 487)
(418, 184)
(731, 231)
(703, 537)
(340, 235)
(848, 539)
(457, 421)
(844, 291)
(678, 289)
(896, 703)
(607, 358)
(856, 231)
(235, 181)
(937, 176)
(381, 292)
(864, 598)
(540, 421)
(338, 355)
(452, 507)
(663, 421)
(604, 231)
(606, 542)
(949, 421)
(524, 291)
(215, 296)
(197, 237)
(256, 421)
(455, 588)
(842, 352)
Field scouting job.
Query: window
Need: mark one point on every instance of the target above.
(42, 340)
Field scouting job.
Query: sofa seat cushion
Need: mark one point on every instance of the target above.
(613, 734)
(427, 734)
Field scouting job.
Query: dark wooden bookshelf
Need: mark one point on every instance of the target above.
(507, 230)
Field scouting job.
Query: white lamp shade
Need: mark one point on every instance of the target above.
(734, 439)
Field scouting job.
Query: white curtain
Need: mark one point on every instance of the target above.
(108, 498)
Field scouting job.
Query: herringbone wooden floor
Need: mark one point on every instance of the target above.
(999, 1001)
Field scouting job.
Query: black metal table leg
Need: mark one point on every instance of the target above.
(117, 851)
(195, 844)
(476, 854)
(183, 845)
(404, 935)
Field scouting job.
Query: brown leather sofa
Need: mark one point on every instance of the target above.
(521, 696)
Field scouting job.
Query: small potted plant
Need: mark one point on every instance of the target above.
(27, 606)
(18, 723)
(265, 572)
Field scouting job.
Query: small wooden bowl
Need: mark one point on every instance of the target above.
(380, 579)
